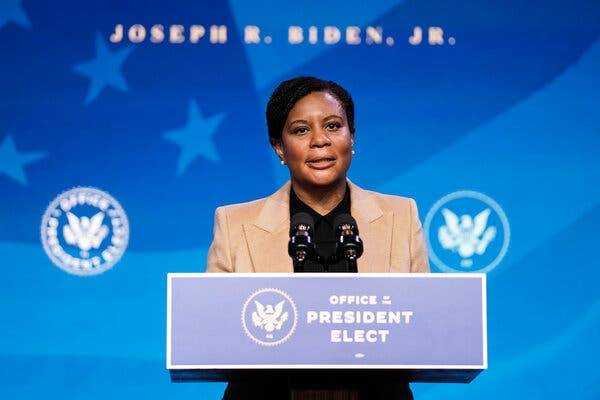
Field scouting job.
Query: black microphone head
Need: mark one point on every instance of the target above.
(301, 221)
(344, 222)
(349, 245)
(301, 246)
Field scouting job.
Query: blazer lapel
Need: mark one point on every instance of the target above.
(375, 230)
(268, 236)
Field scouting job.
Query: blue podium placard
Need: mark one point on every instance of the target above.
(430, 327)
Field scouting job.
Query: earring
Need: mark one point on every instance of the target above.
(282, 162)
(353, 152)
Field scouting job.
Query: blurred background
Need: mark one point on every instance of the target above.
(488, 110)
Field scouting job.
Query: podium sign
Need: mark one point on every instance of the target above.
(428, 327)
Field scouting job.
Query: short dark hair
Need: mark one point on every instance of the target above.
(287, 94)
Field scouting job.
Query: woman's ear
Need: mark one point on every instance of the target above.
(278, 147)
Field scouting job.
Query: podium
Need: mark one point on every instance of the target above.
(418, 327)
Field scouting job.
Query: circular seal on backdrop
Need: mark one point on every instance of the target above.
(84, 231)
(467, 231)
(269, 317)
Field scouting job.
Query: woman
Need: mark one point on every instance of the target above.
(311, 128)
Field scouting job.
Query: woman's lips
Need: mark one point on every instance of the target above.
(321, 163)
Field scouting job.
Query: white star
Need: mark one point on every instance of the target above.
(104, 70)
(196, 138)
(12, 162)
(11, 10)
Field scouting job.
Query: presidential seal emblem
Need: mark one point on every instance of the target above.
(467, 231)
(269, 317)
(84, 231)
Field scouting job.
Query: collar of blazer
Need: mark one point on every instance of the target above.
(268, 236)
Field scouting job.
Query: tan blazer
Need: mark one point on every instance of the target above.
(253, 236)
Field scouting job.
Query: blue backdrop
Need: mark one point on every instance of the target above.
(499, 98)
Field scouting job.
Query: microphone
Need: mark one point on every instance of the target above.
(301, 246)
(349, 246)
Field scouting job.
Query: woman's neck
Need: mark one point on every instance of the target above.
(321, 199)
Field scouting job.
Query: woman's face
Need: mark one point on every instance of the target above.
(316, 141)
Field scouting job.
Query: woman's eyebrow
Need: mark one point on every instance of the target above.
(298, 120)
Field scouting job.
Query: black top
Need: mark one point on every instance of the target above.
(324, 233)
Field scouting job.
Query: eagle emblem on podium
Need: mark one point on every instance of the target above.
(268, 317)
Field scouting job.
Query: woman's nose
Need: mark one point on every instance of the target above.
(320, 138)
